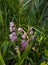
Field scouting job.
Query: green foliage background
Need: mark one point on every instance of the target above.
(24, 13)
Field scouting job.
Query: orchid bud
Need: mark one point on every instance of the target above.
(31, 28)
(25, 33)
(14, 33)
(12, 24)
(23, 36)
(13, 37)
(20, 29)
(10, 36)
(31, 32)
(12, 29)
(17, 48)
(24, 44)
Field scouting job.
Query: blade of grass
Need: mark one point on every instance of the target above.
(39, 31)
(1, 19)
(1, 59)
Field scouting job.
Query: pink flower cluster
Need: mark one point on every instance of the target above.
(12, 28)
(24, 44)
(26, 36)
(13, 36)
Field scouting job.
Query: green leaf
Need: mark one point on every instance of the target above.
(46, 52)
(1, 19)
(1, 59)
(4, 47)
